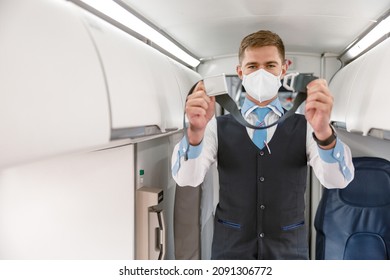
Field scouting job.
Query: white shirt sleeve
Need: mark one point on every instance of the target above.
(200, 158)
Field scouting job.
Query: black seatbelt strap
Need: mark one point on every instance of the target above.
(228, 103)
(298, 83)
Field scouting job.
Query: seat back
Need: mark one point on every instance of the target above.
(187, 234)
(354, 223)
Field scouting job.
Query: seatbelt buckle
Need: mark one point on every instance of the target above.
(215, 85)
(297, 82)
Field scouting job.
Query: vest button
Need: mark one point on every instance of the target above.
(261, 179)
(261, 235)
(262, 207)
(261, 153)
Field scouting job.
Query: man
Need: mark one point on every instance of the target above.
(262, 173)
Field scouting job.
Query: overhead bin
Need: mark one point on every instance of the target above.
(186, 78)
(369, 107)
(340, 87)
(52, 91)
(144, 86)
(68, 80)
(361, 92)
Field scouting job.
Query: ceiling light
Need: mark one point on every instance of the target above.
(124, 17)
(381, 29)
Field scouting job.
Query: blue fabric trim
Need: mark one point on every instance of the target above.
(332, 155)
(230, 224)
(346, 172)
(293, 226)
(336, 155)
(176, 166)
(193, 152)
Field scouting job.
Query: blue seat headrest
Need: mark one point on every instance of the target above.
(354, 223)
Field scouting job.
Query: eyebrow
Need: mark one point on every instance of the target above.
(267, 63)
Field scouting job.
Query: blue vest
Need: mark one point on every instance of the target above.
(260, 214)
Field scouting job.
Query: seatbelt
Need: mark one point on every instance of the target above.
(295, 82)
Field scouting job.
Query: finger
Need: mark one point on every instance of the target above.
(197, 102)
(318, 85)
(322, 103)
(318, 107)
(199, 113)
(212, 100)
(319, 96)
(201, 89)
(200, 94)
(318, 89)
(199, 86)
(317, 82)
(196, 112)
(197, 91)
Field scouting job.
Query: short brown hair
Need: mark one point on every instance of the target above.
(261, 38)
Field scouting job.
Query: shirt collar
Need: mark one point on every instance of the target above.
(248, 106)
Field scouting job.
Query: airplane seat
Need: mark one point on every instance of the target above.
(354, 223)
(187, 233)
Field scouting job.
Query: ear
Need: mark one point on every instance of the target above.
(284, 69)
(239, 71)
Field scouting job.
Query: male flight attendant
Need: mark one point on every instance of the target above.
(262, 173)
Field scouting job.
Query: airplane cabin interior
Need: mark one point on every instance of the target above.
(91, 110)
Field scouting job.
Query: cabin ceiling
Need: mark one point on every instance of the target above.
(214, 28)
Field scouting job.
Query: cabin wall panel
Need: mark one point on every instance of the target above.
(154, 157)
(365, 145)
(78, 206)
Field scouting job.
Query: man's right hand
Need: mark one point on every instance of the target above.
(200, 108)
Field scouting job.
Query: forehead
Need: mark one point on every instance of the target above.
(261, 55)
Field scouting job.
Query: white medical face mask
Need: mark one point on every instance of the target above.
(262, 85)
